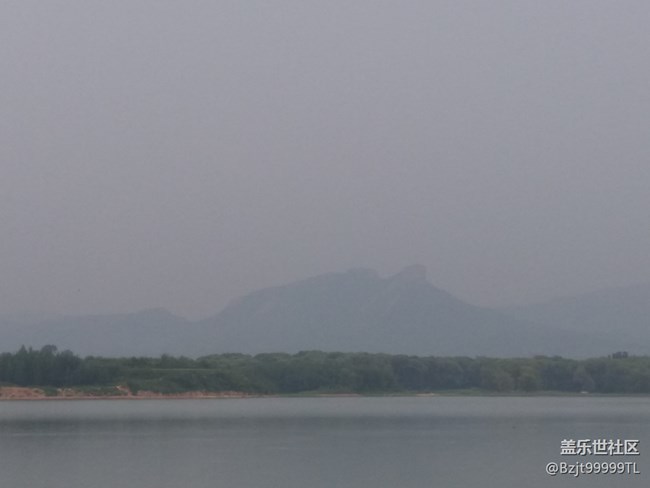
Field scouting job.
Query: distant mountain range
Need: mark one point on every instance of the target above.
(149, 332)
(357, 310)
(620, 315)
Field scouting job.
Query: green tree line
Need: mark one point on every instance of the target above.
(317, 371)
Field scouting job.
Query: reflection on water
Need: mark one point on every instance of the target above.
(311, 442)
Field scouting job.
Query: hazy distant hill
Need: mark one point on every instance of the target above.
(620, 313)
(356, 310)
(360, 311)
(150, 332)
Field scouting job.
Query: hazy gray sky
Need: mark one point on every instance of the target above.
(179, 154)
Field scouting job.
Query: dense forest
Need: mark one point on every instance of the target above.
(326, 372)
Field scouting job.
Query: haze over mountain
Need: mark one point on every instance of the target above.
(623, 312)
(355, 310)
(159, 155)
(148, 332)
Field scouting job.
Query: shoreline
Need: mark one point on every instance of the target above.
(19, 393)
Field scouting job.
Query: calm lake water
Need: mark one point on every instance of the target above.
(313, 442)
